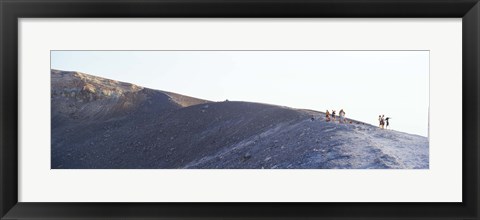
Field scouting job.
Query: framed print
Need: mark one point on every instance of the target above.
(225, 109)
(239, 134)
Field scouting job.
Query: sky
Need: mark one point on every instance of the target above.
(365, 84)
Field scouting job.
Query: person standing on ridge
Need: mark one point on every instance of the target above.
(342, 116)
(327, 116)
(333, 115)
(380, 121)
(386, 120)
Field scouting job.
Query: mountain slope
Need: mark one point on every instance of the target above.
(127, 126)
(79, 96)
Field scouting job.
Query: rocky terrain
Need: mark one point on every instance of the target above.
(99, 123)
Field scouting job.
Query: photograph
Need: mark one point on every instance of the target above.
(240, 109)
(283, 109)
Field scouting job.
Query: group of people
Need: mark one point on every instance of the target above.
(383, 121)
(332, 116)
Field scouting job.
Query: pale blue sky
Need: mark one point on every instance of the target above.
(363, 83)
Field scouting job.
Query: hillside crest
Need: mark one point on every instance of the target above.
(103, 123)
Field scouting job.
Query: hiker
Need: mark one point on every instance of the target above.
(380, 122)
(333, 115)
(327, 116)
(342, 116)
(386, 120)
(340, 113)
(383, 121)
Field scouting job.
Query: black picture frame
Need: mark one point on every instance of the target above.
(12, 10)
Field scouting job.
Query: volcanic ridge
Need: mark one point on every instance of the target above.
(98, 123)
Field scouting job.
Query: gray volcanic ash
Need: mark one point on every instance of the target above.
(99, 123)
